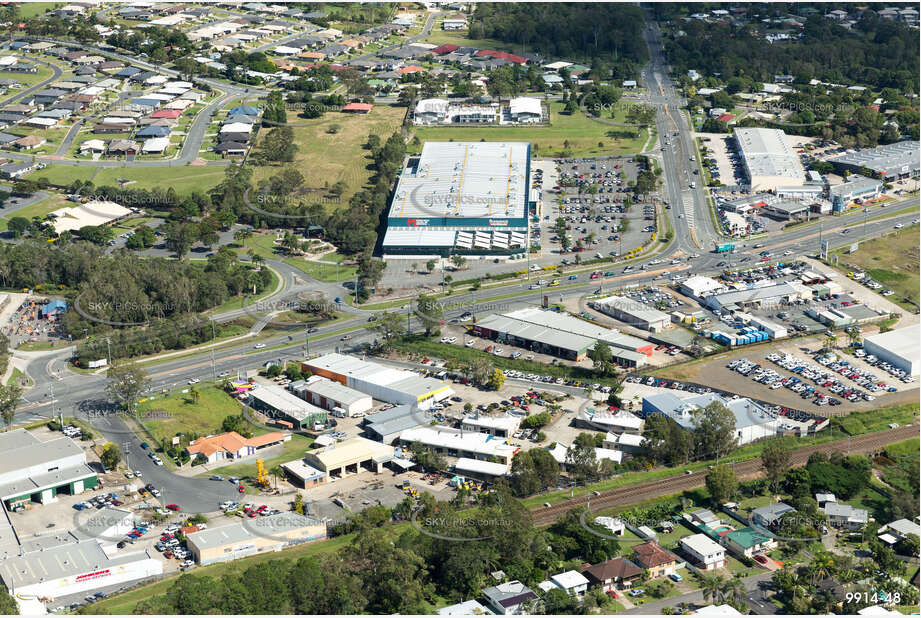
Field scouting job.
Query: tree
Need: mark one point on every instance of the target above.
(279, 145)
(601, 358)
(496, 379)
(798, 482)
(722, 483)
(430, 265)
(714, 430)
(10, 395)
(19, 226)
(430, 312)
(775, 461)
(389, 326)
(581, 462)
(180, 237)
(711, 585)
(126, 383)
(111, 456)
(8, 605)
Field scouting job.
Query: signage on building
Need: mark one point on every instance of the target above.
(93, 575)
(495, 223)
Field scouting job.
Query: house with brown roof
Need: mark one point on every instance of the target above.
(29, 142)
(232, 445)
(614, 574)
(659, 562)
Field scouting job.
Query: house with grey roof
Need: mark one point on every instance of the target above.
(509, 599)
(768, 516)
(846, 516)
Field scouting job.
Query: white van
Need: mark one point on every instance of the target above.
(337, 412)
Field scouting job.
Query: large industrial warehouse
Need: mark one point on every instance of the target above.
(888, 162)
(900, 348)
(562, 335)
(382, 383)
(461, 197)
(770, 161)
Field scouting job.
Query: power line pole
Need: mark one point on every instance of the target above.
(213, 374)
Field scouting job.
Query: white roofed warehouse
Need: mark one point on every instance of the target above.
(395, 386)
(36, 471)
(770, 161)
(253, 536)
(900, 348)
(467, 198)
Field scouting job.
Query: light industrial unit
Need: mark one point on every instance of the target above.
(36, 471)
(888, 162)
(900, 348)
(395, 386)
(463, 198)
(252, 536)
(633, 313)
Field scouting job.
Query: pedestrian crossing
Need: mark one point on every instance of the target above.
(687, 205)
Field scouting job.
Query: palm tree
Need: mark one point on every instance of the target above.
(195, 395)
(711, 586)
(734, 589)
(276, 471)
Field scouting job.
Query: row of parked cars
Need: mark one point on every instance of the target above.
(819, 377)
(867, 380)
(870, 359)
(98, 502)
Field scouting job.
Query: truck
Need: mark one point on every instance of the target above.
(725, 248)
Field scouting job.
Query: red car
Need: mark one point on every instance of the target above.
(612, 594)
(241, 489)
(172, 507)
(760, 558)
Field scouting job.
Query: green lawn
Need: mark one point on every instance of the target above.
(184, 179)
(202, 418)
(293, 449)
(31, 9)
(264, 245)
(578, 130)
(26, 79)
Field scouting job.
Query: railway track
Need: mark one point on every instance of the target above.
(745, 470)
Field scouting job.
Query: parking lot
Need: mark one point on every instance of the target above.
(718, 373)
(591, 194)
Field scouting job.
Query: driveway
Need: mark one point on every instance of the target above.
(753, 585)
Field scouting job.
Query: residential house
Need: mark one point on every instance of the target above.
(122, 147)
(467, 608)
(704, 517)
(657, 561)
(455, 22)
(509, 599)
(769, 515)
(231, 149)
(93, 146)
(614, 574)
(111, 127)
(748, 541)
(232, 445)
(706, 553)
(48, 95)
(572, 582)
(898, 530)
(16, 170)
(823, 498)
(29, 142)
(846, 516)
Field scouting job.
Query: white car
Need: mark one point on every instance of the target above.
(898, 226)
(138, 474)
(452, 339)
(194, 380)
(788, 252)
(129, 475)
(259, 346)
(497, 351)
(470, 343)
(187, 563)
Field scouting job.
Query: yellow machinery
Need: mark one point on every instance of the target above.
(261, 478)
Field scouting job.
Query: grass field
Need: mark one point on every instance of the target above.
(264, 245)
(326, 158)
(31, 9)
(893, 261)
(184, 179)
(292, 449)
(202, 418)
(578, 130)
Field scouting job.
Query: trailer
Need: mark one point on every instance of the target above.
(725, 248)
